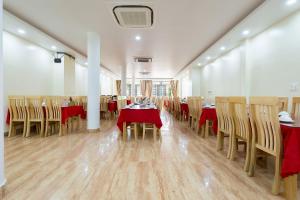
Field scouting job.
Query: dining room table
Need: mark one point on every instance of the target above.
(208, 114)
(184, 108)
(290, 167)
(136, 113)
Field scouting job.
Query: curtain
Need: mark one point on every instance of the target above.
(118, 85)
(146, 88)
(174, 87)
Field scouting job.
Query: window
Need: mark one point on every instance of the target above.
(128, 88)
(159, 89)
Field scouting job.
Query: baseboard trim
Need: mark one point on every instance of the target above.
(93, 130)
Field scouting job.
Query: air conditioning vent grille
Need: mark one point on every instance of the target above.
(143, 60)
(134, 16)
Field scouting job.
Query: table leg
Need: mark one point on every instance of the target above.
(290, 187)
(206, 128)
(124, 131)
(155, 132)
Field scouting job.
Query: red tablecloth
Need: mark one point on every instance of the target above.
(291, 150)
(184, 109)
(112, 106)
(128, 101)
(66, 113)
(72, 111)
(140, 116)
(211, 115)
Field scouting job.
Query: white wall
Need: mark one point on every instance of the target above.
(268, 64)
(30, 70)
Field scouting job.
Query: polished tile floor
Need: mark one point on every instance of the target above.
(102, 166)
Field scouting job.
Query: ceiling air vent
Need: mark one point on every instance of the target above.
(134, 16)
(144, 73)
(143, 60)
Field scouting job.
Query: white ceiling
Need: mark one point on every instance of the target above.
(182, 29)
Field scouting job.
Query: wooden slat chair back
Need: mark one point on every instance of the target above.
(225, 123)
(18, 114)
(191, 110)
(296, 107)
(35, 113)
(53, 113)
(283, 104)
(84, 102)
(241, 127)
(104, 106)
(77, 100)
(266, 134)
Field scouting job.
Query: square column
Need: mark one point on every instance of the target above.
(93, 98)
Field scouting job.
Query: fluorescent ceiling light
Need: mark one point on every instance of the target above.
(246, 32)
(290, 2)
(21, 31)
(223, 48)
(138, 38)
(53, 47)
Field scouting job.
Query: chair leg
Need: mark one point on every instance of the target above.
(252, 160)
(206, 128)
(10, 132)
(124, 131)
(220, 141)
(46, 129)
(60, 129)
(154, 132)
(247, 160)
(233, 147)
(42, 129)
(144, 131)
(277, 177)
(135, 131)
(27, 133)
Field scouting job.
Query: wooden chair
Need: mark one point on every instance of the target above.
(35, 114)
(197, 112)
(53, 114)
(266, 134)
(191, 111)
(295, 107)
(104, 107)
(132, 127)
(242, 128)
(225, 123)
(283, 104)
(18, 114)
(151, 127)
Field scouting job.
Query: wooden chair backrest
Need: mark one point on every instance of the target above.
(283, 103)
(190, 105)
(53, 108)
(296, 107)
(17, 108)
(224, 114)
(34, 108)
(265, 124)
(104, 103)
(198, 107)
(238, 105)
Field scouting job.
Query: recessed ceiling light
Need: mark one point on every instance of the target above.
(290, 2)
(86, 63)
(21, 31)
(138, 38)
(223, 48)
(32, 48)
(246, 32)
(199, 64)
(208, 58)
(53, 47)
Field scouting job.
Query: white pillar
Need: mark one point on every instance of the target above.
(133, 81)
(2, 178)
(93, 104)
(123, 80)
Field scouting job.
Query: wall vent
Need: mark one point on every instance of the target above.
(134, 16)
(143, 60)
